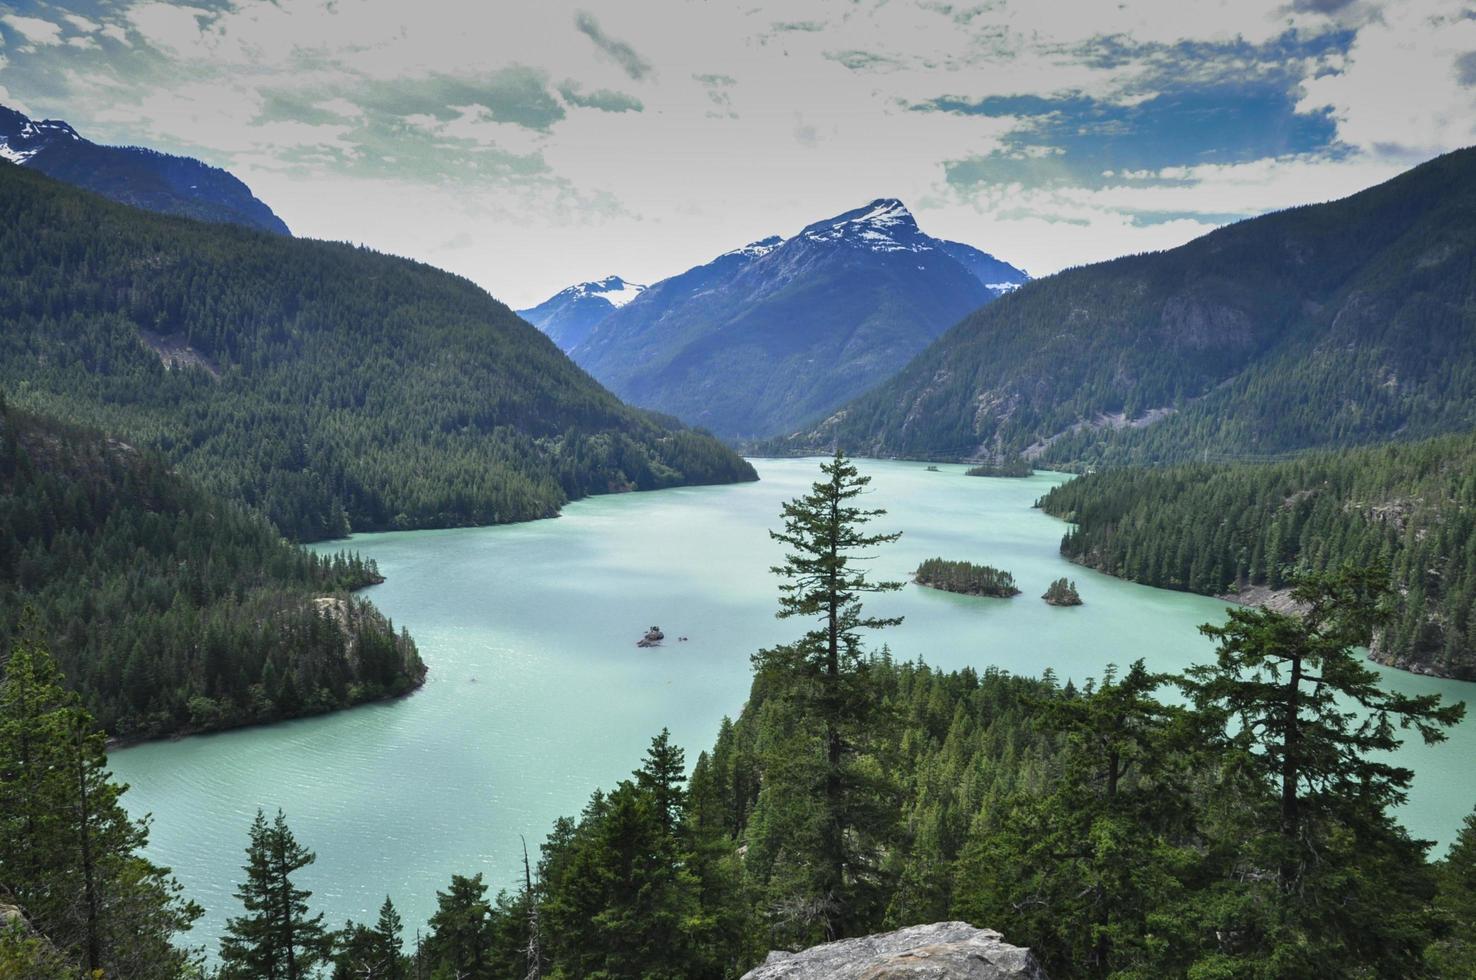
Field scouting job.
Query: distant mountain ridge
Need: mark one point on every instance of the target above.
(570, 314)
(779, 331)
(133, 175)
(1321, 326)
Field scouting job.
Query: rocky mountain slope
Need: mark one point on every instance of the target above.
(766, 336)
(1326, 325)
(132, 174)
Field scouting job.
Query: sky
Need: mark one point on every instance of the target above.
(531, 145)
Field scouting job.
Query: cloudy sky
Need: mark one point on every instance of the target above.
(536, 143)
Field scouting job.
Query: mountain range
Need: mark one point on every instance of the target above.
(773, 334)
(133, 175)
(1321, 326)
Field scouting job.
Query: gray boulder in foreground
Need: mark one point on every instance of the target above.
(940, 950)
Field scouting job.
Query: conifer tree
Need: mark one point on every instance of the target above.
(276, 939)
(1454, 955)
(372, 953)
(1304, 720)
(662, 774)
(69, 853)
(1089, 874)
(1284, 680)
(825, 670)
(460, 943)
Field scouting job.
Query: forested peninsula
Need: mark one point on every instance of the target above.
(1222, 529)
(168, 609)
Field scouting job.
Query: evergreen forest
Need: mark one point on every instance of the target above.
(168, 609)
(325, 386)
(1131, 825)
(1222, 529)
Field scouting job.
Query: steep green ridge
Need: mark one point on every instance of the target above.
(1327, 325)
(325, 385)
(169, 609)
(1215, 528)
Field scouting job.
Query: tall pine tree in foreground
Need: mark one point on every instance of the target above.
(826, 851)
(1337, 887)
(276, 939)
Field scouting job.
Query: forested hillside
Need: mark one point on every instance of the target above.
(1327, 325)
(1217, 528)
(327, 386)
(168, 609)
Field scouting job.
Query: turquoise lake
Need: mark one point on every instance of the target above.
(537, 694)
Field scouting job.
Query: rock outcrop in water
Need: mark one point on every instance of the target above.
(653, 637)
(953, 950)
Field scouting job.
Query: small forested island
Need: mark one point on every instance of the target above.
(1062, 593)
(1014, 466)
(965, 578)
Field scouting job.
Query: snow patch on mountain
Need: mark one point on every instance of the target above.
(612, 289)
(31, 137)
(757, 249)
(884, 225)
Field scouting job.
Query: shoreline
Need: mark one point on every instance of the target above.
(120, 742)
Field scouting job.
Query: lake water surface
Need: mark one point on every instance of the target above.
(537, 693)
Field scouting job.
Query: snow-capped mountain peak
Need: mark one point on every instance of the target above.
(132, 175)
(22, 138)
(884, 225)
(612, 289)
(570, 314)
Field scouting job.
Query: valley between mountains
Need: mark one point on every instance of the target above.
(1078, 580)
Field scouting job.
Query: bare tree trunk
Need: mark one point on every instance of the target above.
(535, 954)
(1291, 746)
(84, 835)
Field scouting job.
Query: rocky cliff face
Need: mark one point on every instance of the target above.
(952, 950)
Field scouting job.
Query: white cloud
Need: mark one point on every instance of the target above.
(39, 32)
(815, 118)
(1400, 89)
(85, 24)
